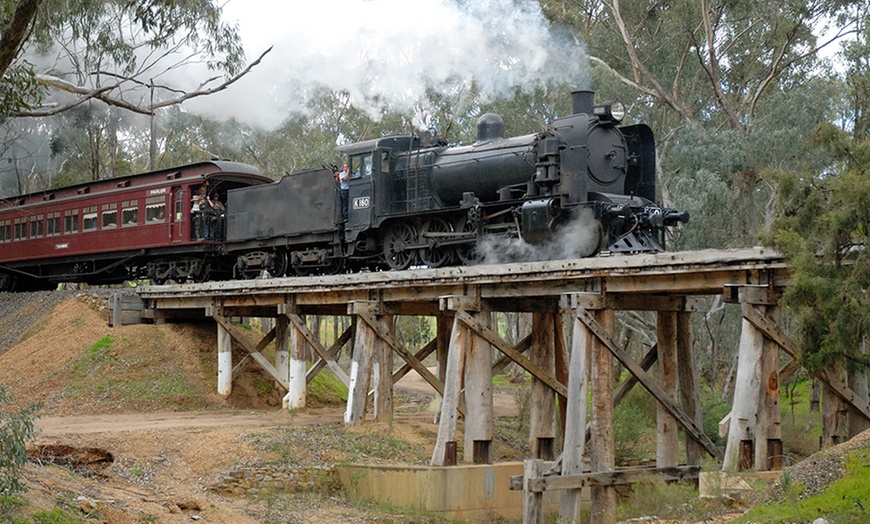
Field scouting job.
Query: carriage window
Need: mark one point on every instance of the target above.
(110, 215)
(179, 201)
(52, 225)
(155, 209)
(37, 226)
(130, 212)
(71, 221)
(89, 218)
(5, 231)
(20, 230)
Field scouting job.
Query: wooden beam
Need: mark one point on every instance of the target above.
(239, 335)
(490, 336)
(619, 477)
(772, 331)
(696, 432)
(313, 341)
(420, 355)
(404, 353)
(503, 362)
(333, 350)
(443, 452)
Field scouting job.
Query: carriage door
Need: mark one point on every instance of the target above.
(176, 217)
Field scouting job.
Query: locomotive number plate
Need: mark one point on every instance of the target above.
(362, 202)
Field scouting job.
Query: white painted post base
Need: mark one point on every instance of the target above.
(225, 362)
(296, 397)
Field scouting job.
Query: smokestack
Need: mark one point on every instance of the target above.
(582, 102)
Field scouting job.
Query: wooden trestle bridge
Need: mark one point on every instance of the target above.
(590, 290)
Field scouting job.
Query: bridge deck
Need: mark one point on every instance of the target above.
(510, 287)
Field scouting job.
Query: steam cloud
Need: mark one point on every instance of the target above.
(386, 53)
(577, 239)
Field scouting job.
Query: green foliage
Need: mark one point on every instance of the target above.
(56, 516)
(326, 390)
(841, 502)
(303, 445)
(634, 423)
(656, 497)
(822, 225)
(16, 430)
(19, 90)
(99, 373)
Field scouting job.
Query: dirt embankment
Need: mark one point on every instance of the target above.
(146, 396)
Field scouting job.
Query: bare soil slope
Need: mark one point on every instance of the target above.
(145, 395)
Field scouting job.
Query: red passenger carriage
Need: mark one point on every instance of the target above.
(127, 228)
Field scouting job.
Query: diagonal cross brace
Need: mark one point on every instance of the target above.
(300, 326)
(490, 336)
(237, 334)
(772, 331)
(404, 353)
(655, 390)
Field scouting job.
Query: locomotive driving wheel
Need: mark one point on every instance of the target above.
(397, 253)
(467, 253)
(434, 255)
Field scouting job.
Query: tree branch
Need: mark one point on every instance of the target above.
(102, 94)
(640, 70)
(713, 69)
(15, 35)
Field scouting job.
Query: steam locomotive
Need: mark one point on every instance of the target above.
(583, 185)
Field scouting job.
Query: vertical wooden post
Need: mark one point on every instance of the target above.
(478, 397)
(452, 387)
(282, 362)
(667, 437)
(856, 421)
(689, 393)
(575, 421)
(296, 397)
(117, 310)
(383, 375)
(360, 372)
(834, 409)
(768, 438)
(542, 427)
(602, 452)
(744, 410)
(225, 361)
(561, 361)
(533, 501)
(443, 325)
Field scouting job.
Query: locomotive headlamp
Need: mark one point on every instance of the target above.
(614, 111)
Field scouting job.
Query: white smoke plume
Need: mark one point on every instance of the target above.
(387, 52)
(578, 238)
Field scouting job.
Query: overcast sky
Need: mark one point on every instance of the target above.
(389, 48)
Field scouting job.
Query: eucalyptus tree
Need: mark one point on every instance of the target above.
(823, 224)
(703, 73)
(108, 58)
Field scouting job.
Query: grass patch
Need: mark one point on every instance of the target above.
(841, 502)
(326, 390)
(663, 500)
(55, 516)
(333, 443)
(100, 374)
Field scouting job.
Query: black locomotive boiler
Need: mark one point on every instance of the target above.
(583, 185)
